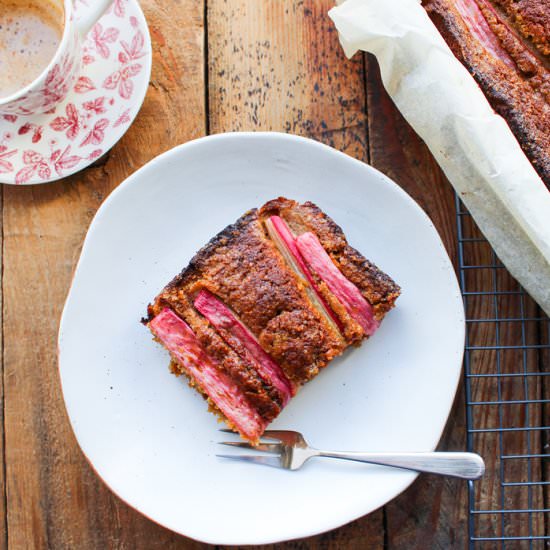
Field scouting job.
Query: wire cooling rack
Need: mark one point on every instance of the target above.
(507, 388)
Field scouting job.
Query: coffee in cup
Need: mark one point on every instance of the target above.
(30, 33)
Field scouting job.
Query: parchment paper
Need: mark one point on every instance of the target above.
(474, 146)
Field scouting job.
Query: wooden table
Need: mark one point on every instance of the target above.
(218, 66)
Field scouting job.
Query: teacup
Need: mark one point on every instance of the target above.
(57, 78)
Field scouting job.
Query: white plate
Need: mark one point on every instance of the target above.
(149, 436)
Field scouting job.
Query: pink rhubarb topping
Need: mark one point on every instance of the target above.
(239, 337)
(345, 291)
(286, 243)
(480, 28)
(181, 342)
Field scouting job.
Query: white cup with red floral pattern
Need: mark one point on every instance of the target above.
(56, 80)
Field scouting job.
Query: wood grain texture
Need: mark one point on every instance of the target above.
(501, 396)
(3, 508)
(54, 498)
(278, 65)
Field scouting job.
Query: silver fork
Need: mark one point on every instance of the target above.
(290, 451)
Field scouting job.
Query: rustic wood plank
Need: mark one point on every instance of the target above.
(433, 512)
(278, 65)
(55, 500)
(358, 534)
(3, 510)
(490, 493)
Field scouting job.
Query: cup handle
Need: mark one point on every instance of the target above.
(91, 15)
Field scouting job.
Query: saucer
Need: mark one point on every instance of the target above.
(113, 81)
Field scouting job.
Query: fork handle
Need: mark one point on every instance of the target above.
(463, 465)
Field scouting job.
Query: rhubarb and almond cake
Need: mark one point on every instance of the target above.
(265, 305)
(505, 44)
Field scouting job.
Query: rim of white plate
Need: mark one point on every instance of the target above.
(407, 479)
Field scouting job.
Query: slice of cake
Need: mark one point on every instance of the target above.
(265, 305)
(505, 45)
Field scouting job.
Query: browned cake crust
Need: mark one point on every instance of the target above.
(265, 399)
(531, 18)
(377, 287)
(243, 268)
(510, 70)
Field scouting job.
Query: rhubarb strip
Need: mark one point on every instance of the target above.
(345, 291)
(285, 241)
(181, 342)
(239, 337)
(479, 27)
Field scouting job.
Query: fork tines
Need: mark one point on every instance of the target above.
(273, 460)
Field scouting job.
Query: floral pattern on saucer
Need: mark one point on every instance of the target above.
(106, 97)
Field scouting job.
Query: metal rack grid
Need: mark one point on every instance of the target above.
(507, 389)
